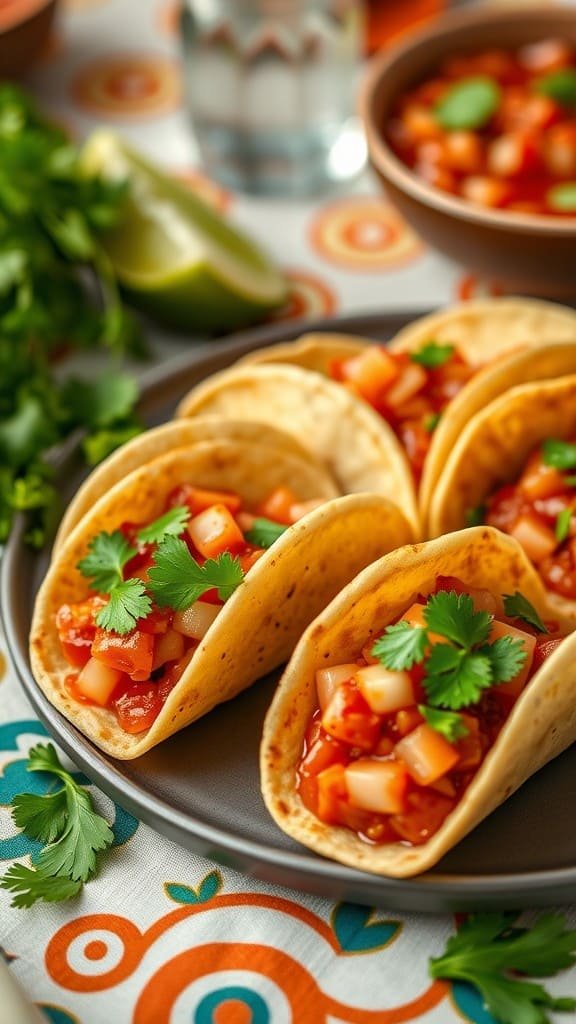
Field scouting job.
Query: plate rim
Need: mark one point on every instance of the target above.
(431, 892)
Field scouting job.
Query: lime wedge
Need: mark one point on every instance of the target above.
(176, 258)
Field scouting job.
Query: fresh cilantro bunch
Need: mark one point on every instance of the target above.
(489, 952)
(459, 666)
(72, 832)
(175, 580)
(57, 292)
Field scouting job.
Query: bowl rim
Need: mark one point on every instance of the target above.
(20, 11)
(402, 176)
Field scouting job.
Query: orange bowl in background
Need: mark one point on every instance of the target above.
(25, 27)
(528, 252)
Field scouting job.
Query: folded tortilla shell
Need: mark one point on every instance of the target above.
(157, 441)
(259, 625)
(358, 447)
(494, 448)
(515, 337)
(542, 723)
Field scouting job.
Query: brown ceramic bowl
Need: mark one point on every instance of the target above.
(24, 30)
(523, 251)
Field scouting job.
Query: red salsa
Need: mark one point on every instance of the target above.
(497, 128)
(539, 510)
(378, 757)
(409, 390)
(131, 671)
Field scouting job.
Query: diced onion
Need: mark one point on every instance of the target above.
(97, 681)
(385, 691)
(196, 620)
(426, 754)
(169, 647)
(411, 381)
(378, 786)
(329, 679)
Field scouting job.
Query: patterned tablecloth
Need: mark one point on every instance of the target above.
(163, 935)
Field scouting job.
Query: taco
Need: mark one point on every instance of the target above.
(438, 372)
(419, 700)
(514, 468)
(157, 441)
(191, 578)
(359, 448)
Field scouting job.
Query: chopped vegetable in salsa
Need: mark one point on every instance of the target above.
(539, 510)
(402, 729)
(159, 586)
(497, 128)
(409, 390)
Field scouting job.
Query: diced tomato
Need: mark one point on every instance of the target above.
(559, 150)
(323, 753)
(248, 558)
(132, 653)
(504, 507)
(485, 190)
(378, 786)
(174, 674)
(349, 719)
(301, 508)
(372, 372)
(277, 505)
(198, 500)
(137, 707)
(558, 572)
(539, 480)
(98, 681)
(464, 152)
(426, 754)
(545, 646)
(329, 679)
(425, 814)
(532, 533)
(470, 747)
(331, 792)
(416, 440)
(76, 625)
(383, 690)
(515, 686)
(419, 123)
(156, 622)
(215, 531)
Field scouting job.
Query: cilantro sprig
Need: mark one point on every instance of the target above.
(264, 532)
(562, 525)
(73, 834)
(460, 665)
(488, 952)
(176, 580)
(516, 606)
(171, 524)
(433, 354)
(108, 553)
(559, 454)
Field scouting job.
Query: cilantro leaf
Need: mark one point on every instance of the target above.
(455, 678)
(431, 422)
(506, 656)
(107, 555)
(432, 355)
(453, 616)
(30, 885)
(487, 948)
(516, 606)
(171, 524)
(101, 402)
(264, 532)
(64, 820)
(562, 526)
(99, 444)
(450, 724)
(401, 646)
(559, 454)
(176, 580)
(43, 817)
(127, 603)
(560, 86)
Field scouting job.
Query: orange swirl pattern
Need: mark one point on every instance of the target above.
(308, 296)
(128, 86)
(363, 233)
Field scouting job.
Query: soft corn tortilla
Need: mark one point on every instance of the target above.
(259, 625)
(359, 449)
(494, 448)
(541, 725)
(519, 339)
(155, 442)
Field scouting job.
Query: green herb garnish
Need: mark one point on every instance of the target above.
(432, 421)
(450, 724)
(516, 606)
(559, 454)
(562, 525)
(264, 532)
(108, 553)
(562, 197)
(456, 672)
(128, 602)
(176, 580)
(475, 516)
(432, 355)
(171, 524)
(559, 86)
(72, 832)
(490, 950)
(470, 103)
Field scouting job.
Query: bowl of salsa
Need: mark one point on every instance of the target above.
(471, 126)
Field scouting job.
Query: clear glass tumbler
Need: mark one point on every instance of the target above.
(271, 88)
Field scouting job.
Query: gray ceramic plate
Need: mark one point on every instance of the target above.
(201, 789)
